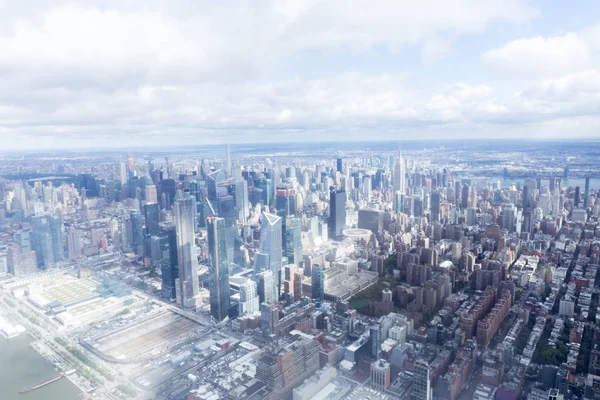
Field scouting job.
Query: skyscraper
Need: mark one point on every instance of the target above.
(399, 175)
(339, 166)
(170, 267)
(337, 212)
(271, 246)
(248, 298)
(227, 160)
(435, 206)
(318, 283)
(421, 381)
(508, 216)
(293, 240)
(186, 285)
(465, 196)
(218, 264)
(74, 244)
(151, 214)
(137, 231)
(586, 193)
(241, 200)
(150, 194)
(47, 242)
(285, 200)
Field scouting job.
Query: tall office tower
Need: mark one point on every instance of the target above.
(337, 212)
(586, 192)
(544, 203)
(74, 244)
(552, 183)
(248, 298)
(186, 286)
(339, 165)
(471, 216)
(421, 388)
(170, 267)
(318, 283)
(134, 185)
(110, 191)
(293, 240)
(525, 195)
(218, 263)
(375, 334)
(168, 188)
(46, 240)
(227, 160)
(155, 250)
(130, 166)
(271, 246)
(57, 243)
(285, 200)
(366, 187)
(370, 219)
(556, 208)
(577, 198)
(150, 194)
(435, 206)
(457, 193)
(465, 196)
(123, 173)
(241, 200)
(527, 221)
(399, 175)
(265, 287)
(508, 216)
(151, 214)
(417, 207)
(137, 231)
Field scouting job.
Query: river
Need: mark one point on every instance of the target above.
(20, 365)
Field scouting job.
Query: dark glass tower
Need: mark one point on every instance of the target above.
(218, 268)
(318, 283)
(337, 212)
(151, 215)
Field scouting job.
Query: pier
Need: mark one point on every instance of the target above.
(43, 383)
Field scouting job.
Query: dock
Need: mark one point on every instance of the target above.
(38, 385)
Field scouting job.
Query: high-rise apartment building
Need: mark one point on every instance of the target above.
(248, 298)
(421, 388)
(380, 374)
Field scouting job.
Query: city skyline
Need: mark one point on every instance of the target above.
(205, 74)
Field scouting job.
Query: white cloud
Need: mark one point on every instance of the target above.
(540, 57)
(107, 72)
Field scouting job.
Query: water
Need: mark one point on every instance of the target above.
(20, 365)
(507, 182)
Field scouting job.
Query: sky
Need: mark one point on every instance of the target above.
(86, 74)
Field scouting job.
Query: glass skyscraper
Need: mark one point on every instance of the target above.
(218, 264)
(271, 245)
(186, 285)
(337, 212)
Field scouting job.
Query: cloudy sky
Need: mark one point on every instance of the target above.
(130, 73)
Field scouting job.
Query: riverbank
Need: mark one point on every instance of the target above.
(21, 365)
